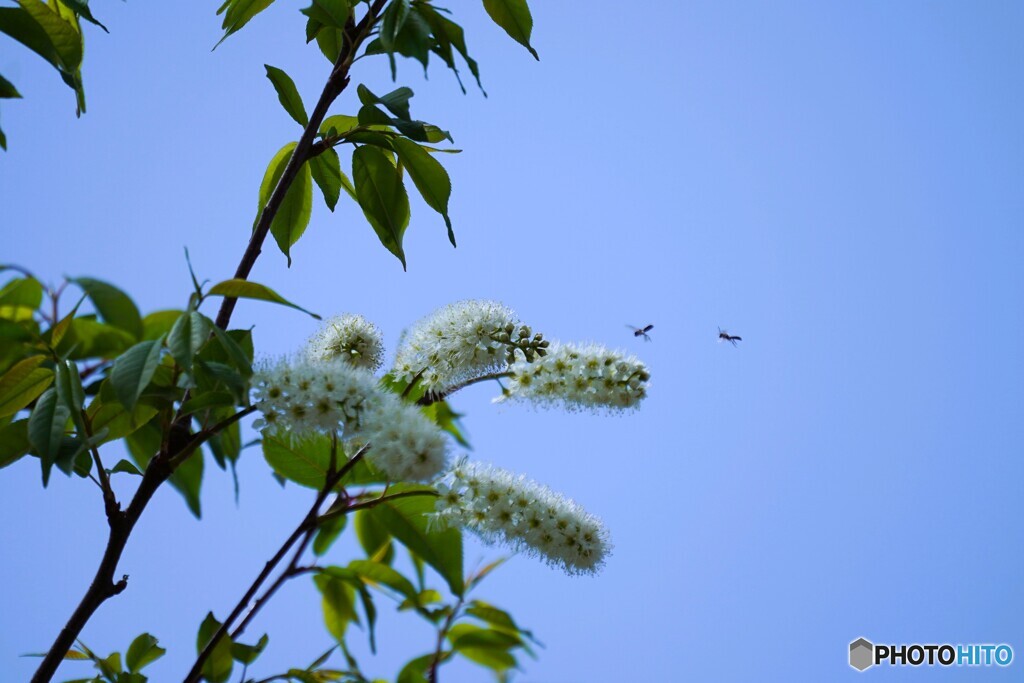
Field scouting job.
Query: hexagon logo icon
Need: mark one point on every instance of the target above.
(862, 654)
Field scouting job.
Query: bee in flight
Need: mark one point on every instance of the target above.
(725, 336)
(641, 331)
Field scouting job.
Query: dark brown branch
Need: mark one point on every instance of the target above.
(302, 534)
(179, 446)
(336, 83)
(435, 662)
(121, 523)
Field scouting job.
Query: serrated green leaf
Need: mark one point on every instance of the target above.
(128, 468)
(244, 289)
(134, 369)
(382, 196)
(288, 94)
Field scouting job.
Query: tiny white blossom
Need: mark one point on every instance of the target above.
(498, 505)
(404, 444)
(348, 337)
(327, 397)
(580, 376)
(305, 396)
(461, 341)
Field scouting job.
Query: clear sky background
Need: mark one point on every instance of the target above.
(840, 183)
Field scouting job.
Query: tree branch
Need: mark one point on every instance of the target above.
(179, 445)
(336, 84)
(302, 534)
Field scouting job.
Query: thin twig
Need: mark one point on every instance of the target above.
(435, 396)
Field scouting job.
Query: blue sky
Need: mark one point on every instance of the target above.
(842, 184)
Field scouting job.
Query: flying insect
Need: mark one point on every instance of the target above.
(725, 336)
(641, 331)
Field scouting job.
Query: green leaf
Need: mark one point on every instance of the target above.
(113, 305)
(244, 289)
(382, 196)
(302, 459)
(187, 336)
(407, 520)
(19, 24)
(159, 323)
(217, 667)
(46, 429)
(338, 604)
(396, 101)
(62, 34)
(22, 292)
(448, 34)
(380, 573)
(429, 176)
(288, 94)
(293, 214)
(22, 383)
(337, 124)
(373, 536)
(87, 337)
(238, 14)
(247, 654)
(328, 533)
(329, 13)
(240, 358)
(415, 671)
(207, 400)
(392, 23)
(81, 8)
(326, 170)
(513, 16)
(143, 650)
(128, 468)
(14, 442)
(134, 369)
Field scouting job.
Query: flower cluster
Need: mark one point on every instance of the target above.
(463, 341)
(309, 396)
(499, 505)
(334, 397)
(404, 444)
(348, 337)
(590, 376)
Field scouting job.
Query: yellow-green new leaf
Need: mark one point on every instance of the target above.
(20, 385)
(293, 214)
